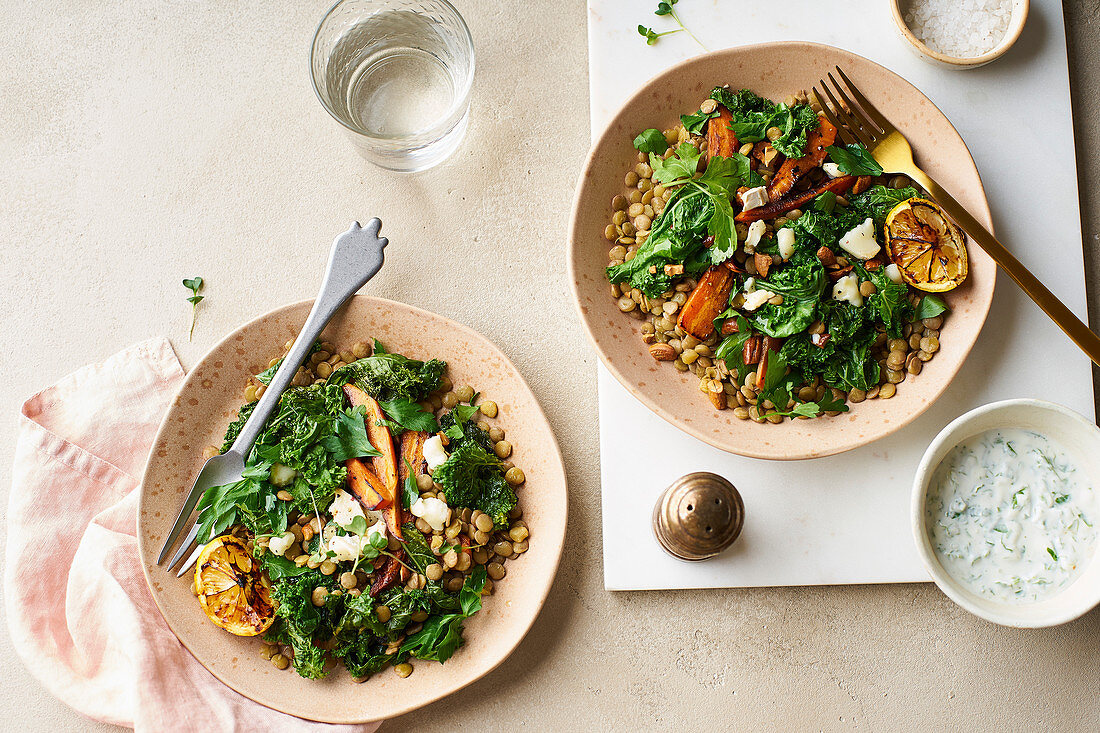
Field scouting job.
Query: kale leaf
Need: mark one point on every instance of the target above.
(298, 622)
(877, 201)
(387, 377)
(234, 428)
(441, 635)
(698, 207)
(844, 359)
(472, 477)
(890, 303)
(801, 283)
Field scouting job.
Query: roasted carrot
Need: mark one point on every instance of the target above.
(721, 140)
(366, 487)
(379, 435)
(793, 169)
(412, 454)
(391, 571)
(385, 465)
(709, 298)
(782, 206)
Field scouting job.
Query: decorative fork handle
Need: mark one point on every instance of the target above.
(355, 258)
(1077, 330)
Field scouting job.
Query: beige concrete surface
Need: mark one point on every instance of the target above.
(144, 142)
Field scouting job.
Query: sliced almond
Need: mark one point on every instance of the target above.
(662, 352)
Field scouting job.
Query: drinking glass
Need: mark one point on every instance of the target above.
(397, 75)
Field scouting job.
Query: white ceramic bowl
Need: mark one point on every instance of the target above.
(1012, 33)
(1081, 438)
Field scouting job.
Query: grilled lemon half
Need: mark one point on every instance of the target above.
(929, 250)
(232, 589)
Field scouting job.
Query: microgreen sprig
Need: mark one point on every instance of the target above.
(193, 284)
(665, 8)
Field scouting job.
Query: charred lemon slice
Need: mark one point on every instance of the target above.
(929, 250)
(232, 589)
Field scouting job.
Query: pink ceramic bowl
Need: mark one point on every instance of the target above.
(208, 401)
(773, 70)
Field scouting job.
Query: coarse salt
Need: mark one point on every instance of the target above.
(959, 28)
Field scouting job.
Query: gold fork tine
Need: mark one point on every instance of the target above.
(880, 120)
(857, 112)
(853, 125)
(856, 119)
(841, 129)
(872, 128)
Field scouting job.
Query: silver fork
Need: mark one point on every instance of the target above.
(857, 120)
(355, 258)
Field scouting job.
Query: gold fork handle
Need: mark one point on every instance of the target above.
(1078, 331)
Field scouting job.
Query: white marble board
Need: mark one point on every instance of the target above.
(845, 519)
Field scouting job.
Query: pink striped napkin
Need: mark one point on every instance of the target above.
(78, 609)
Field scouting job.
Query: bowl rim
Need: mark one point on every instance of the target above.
(554, 550)
(642, 395)
(948, 436)
(1020, 12)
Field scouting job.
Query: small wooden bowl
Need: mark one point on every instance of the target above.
(1015, 28)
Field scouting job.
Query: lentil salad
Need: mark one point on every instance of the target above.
(377, 508)
(761, 255)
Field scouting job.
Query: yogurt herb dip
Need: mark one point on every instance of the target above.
(1011, 516)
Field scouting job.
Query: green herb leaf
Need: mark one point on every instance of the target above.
(1052, 553)
(696, 123)
(854, 159)
(410, 491)
(405, 414)
(651, 141)
(358, 525)
(930, 306)
(349, 440)
(825, 202)
(194, 284)
(470, 595)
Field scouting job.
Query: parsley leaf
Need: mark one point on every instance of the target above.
(696, 123)
(651, 141)
(930, 306)
(349, 438)
(854, 159)
(405, 414)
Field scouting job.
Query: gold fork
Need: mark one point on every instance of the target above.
(859, 122)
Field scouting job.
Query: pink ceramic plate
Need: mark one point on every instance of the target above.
(773, 70)
(208, 401)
